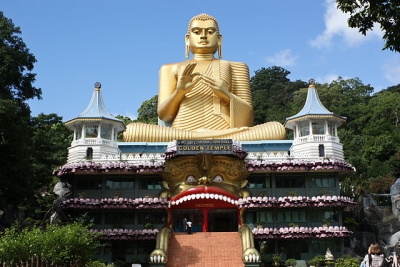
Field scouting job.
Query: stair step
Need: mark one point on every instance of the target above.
(217, 249)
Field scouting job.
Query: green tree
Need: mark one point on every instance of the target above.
(57, 245)
(50, 142)
(16, 79)
(126, 120)
(147, 113)
(264, 78)
(382, 135)
(15, 147)
(16, 87)
(363, 15)
(272, 94)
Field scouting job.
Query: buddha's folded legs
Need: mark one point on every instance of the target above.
(140, 132)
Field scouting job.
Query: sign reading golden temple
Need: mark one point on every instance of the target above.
(191, 147)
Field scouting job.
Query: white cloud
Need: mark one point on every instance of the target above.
(336, 25)
(330, 77)
(283, 58)
(391, 68)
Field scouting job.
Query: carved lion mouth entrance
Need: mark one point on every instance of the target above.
(212, 208)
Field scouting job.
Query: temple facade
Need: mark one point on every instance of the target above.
(288, 191)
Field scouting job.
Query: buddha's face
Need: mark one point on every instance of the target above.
(203, 37)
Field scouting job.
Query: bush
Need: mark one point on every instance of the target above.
(60, 245)
(97, 264)
(276, 257)
(317, 260)
(351, 224)
(347, 261)
(291, 262)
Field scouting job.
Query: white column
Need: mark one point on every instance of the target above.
(113, 137)
(99, 131)
(84, 131)
(326, 127)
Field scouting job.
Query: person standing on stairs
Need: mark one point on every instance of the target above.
(189, 227)
(184, 224)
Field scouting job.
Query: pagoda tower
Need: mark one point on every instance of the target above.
(95, 131)
(315, 129)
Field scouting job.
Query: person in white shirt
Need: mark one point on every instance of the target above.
(375, 257)
(189, 227)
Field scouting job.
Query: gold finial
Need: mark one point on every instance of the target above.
(97, 85)
(311, 83)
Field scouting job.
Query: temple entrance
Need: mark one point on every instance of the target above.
(206, 220)
(223, 220)
(193, 215)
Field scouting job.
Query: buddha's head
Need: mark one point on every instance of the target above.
(203, 36)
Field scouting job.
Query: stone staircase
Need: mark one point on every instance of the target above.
(205, 249)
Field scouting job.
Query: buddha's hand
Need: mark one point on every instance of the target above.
(218, 86)
(187, 80)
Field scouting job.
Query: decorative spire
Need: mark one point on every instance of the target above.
(96, 110)
(96, 107)
(97, 86)
(311, 83)
(313, 107)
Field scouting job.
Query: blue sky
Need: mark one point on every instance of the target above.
(123, 44)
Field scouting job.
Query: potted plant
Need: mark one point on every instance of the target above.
(264, 260)
(291, 262)
(276, 259)
(325, 192)
(313, 262)
(317, 261)
(117, 195)
(148, 225)
(260, 224)
(325, 222)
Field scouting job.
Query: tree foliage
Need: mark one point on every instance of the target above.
(50, 141)
(147, 113)
(58, 245)
(364, 13)
(16, 64)
(272, 94)
(15, 134)
(369, 136)
(16, 87)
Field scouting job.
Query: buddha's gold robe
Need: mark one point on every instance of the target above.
(203, 115)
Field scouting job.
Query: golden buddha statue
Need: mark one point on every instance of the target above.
(204, 97)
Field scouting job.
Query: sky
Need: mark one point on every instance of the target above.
(123, 43)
